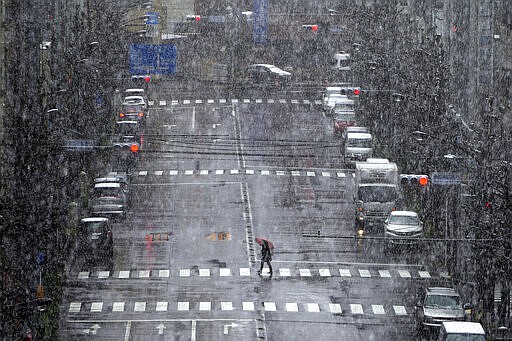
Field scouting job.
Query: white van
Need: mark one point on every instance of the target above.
(342, 61)
(358, 147)
(461, 331)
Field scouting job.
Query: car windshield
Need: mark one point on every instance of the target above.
(465, 337)
(345, 116)
(442, 301)
(403, 220)
(377, 194)
(343, 107)
(132, 108)
(359, 143)
(107, 192)
(92, 226)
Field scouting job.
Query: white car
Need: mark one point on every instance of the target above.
(135, 100)
(402, 228)
(342, 102)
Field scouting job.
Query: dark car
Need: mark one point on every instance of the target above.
(95, 238)
(267, 74)
(132, 112)
(437, 305)
(343, 119)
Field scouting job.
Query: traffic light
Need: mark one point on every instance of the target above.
(312, 27)
(147, 79)
(193, 17)
(351, 91)
(134, 147)
(414, 180)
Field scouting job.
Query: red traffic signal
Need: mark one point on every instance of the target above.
(134, 147)
(193, 18)
(147, 79)
(313, 28)
(351, 91)
(414, 180)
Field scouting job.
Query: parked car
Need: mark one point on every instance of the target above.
(267, 74)
(95, 238)
(353, 129)
(357, 147)
(437, 305)
(461, 331)
(402, 228)
(343, 119)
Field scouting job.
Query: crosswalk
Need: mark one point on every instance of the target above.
(227, 101)
(344, 308)
(331, 173)
(247, 272)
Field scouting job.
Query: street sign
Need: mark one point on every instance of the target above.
(79, 145)
(445, 179)
(152, 18)
(40, 258)
(152, 59)
(259, 33)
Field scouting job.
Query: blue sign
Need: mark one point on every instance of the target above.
(152, 18)
(79, 145)
(260, 28)
(41, 258)
(152, 59)
(445, 179)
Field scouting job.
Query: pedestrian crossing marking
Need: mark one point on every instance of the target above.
(249, 171)
(326, 174)
(189, 172)
(280, 173)
(306, 101)
(143, 173)
(325, 272)
(295, 173)
(246, 100)
(144, 274)
(313, 307)
(162, 103)
(163, 273)
(159, 172)
(270, 100)
(340, 175)
(310, 173)
(199, 101)
(151, 103)
(245, 272)
(83, 275)
(356, 309)
(139, 306)
(183, 306)
(219, 171)
(226, 305)
(234, 100)
(248, 306)
(204, 272)
(378, 309)
(124, 274)
(174, 102)
(234, 171)
(96, 307)
(224, 272)
(75, 307)
(282, 101)
(161, 306)
(186, 101)
(118, 306)
(384, 273)
(259, 100)
(204, 172)
(364, 273)
(305, 273)
(269, 306)
(295, 101)
(335, 308)
(222, 100)
(103, 274)
(173, 172)
(205, 306)
(184, 272)
(399, 310)
(210, 101)
(404, 273)
(294, 307)
(265, 172)
(424, 274)
(284, 272)
(345, 272)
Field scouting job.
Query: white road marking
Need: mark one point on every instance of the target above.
(356, 309)
(345, 272)
(378, 309)
(294, 101)
(295, 173)
(173, 172)
(222, 100)
(139, 306)
(186, 101)
(341, 175)
(308, 173)
(424, 274)
(204, 172)
(305, 272)
(234, 171)
(226, 305)
(404, 273)
(184, 272)
(234, 100)
(364, 273)
(313, 307)
(400, 310)
(96, 307)
(281, 173)
(205, 305)
(249, 171)
(219, 171)
(189, 172)
(335, 308)
(161, 306)
(269, 306)
(282, 101)
(326, 174)
(124, 274)
(246, 100)
(162, 103)
(270, 100)
(265, 172)
(294, 307)
(259, 100)
(103, 274)
(143, 173)
(158, 173)
(204, 272)
(384, 273)
(284, 272)
(83, 275)
(118, 306)
(75, 307)
(163, 273)
(224, 272)
(245, 271)
(210, 101)
(324, 272)
(143, 273)
(183, 306)
(248, 306)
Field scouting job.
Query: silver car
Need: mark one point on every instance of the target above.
(402, 227)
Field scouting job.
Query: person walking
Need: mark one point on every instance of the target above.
(266, 257)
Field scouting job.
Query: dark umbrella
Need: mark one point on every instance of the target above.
(260, 240)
